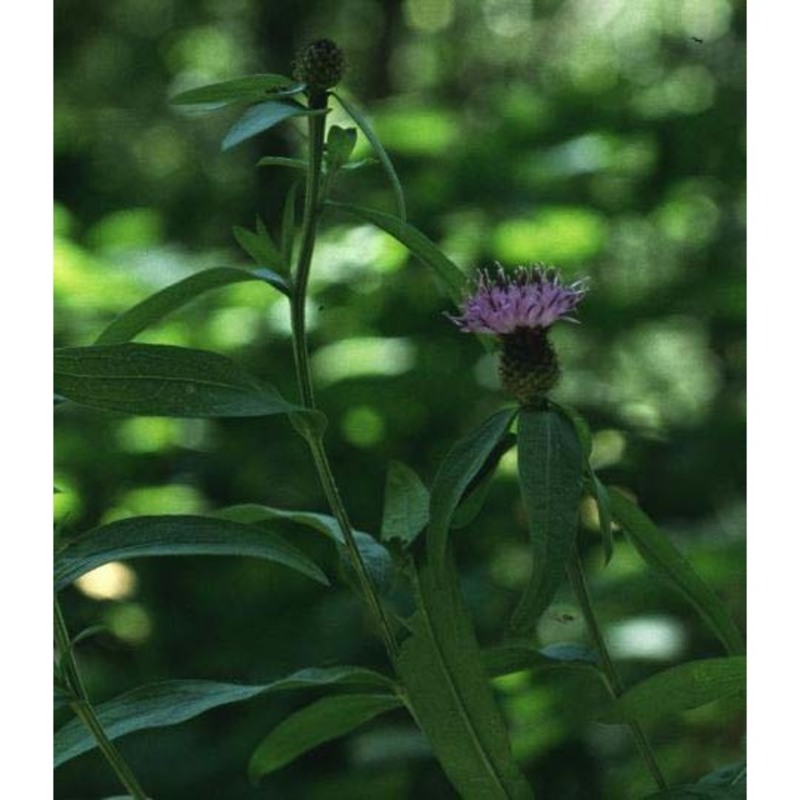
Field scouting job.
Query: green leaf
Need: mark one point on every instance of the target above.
(460, 466)
(582, 429)
(550, 463)
(339, 146)
(450, 697)
(164, 381)
(281, 161)
(726, 783)
(405, 505)
(259, 246)
(351, 166)
(61, 697)
(682, 687)
(376, 557)
(358, 117)
(313, 725)
(153, 309)
(420, 245)
(158, 705)
(174, 535)
(246, 89)
(506, 659)
(600, 494)
(262, 117)
(658, 552)
(287, 225)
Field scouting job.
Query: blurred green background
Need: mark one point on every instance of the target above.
(607, 138)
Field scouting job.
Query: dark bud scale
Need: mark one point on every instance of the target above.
(320, 65)
(528, 365)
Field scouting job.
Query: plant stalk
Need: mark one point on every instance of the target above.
(577, 579)
(83, 708)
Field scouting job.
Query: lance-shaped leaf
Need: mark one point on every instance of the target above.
(262, 117)
(419, 244)
(655, 547)
(600, 494)
(405, 505)
(449, 694)
(167, 703)
(550, 462)
(682, 687)
(259, 246)
(460, 466)
(376, 557)
(320, 722)
(165, 381)
(360, 119)
(249, 88)
(154, 308)
(506, 659)
(281, 161)
(174, 535)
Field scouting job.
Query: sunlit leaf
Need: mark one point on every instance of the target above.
(460, 466)
(174, 535)
(248, 88)
(550, 462)
(327, 719)
(655, 547)
(358, 117)
(405, 505)
(262, 117)
(154, 308)
(158, 705)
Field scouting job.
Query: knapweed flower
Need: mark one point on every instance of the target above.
(519, 309)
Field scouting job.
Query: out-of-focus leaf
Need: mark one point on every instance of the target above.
(505, 659)
(659, 553)
(405, 505)
(287, 225)
(171, 702)
(550, 463)
(262, 117)
(360, 119)
(61, 698)
(600, 494)
(281, 161)
(327, 719)
(682, 687)
(154, 308)
(726, 783)
(248, 88)
(259, 246)
(376, 557)
(420, 245)
(447, 689)
(460, 466)
(164, 381)
(174, 535)
(339, 146)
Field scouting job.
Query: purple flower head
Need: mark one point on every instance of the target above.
(531, 297)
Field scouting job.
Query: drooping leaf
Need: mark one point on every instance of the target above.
(550, 464)
(420, 245)
(682, 687)
(249, 88)
(164, 381)
(447, 689)
(460, 466)
(600, 494)
(262, 117)
(658, 552)
(259, 246)
(376, 557)
(174, 535)
(405, 505)
(158, 705)
(154, 308)
(358, 117)
(320, 722)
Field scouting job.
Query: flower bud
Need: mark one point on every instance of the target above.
(320, 65)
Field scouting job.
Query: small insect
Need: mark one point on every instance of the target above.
(695, 39)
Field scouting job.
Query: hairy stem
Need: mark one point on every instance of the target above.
(83, 708)
(579, 587)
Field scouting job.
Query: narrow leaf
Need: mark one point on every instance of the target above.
(682, 687)
(420, 245)
(358, 117)
(281, 161)
(262, 117)
(659, 553)
(248, 88)
(460, 466)
(449, 694)
(405, 505)
(174, 535)
(153, 309)
(506, 659)
(158, 705)
(600, 494)
(314, 725)
(259, 246)
(164, 381)
(550, 464)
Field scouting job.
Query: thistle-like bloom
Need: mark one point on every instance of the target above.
(532, 297)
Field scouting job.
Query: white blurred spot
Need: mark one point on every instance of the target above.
(113, 581)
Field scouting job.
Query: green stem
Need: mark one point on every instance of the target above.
(318, 100)
(83, 708)
(579, 587)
